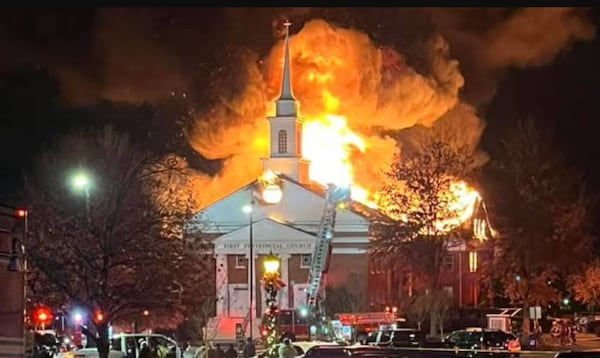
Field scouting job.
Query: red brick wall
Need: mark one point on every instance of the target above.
(343, 269)
(236, 275)
(388, 287)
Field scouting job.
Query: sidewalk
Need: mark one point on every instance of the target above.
(584, 341)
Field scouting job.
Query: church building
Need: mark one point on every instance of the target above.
(282, 217)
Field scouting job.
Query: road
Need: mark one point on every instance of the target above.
(585, 341)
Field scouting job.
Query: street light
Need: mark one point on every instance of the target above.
(272, 283)
(81, 181)
(249, 209)
(271, 264)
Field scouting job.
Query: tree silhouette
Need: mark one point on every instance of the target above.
(586, 285)
(541, 210)
(120, 251)
(419, 198)
(417, 309)
(344, 297)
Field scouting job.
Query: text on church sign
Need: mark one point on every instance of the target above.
(276, 246)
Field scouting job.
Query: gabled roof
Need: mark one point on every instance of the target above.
(273, 227)
(355, 206)
(315, 188)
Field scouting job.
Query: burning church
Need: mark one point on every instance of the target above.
(281, 212)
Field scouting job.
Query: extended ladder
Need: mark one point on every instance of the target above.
(334, 196)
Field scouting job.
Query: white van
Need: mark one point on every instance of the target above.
(128, 345)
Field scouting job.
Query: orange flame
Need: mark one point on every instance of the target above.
(351, 94)
(328, 143)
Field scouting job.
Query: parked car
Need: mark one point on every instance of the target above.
(483, 342)
(401, 337)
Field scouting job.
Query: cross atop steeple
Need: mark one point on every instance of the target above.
(286, 128)
(286, 81)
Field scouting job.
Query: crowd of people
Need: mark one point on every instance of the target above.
(565, 331)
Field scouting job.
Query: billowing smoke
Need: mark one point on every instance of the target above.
(428, 68)
(375, 88)
(490, 40)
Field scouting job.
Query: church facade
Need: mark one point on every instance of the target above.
(246, 225)
(286, 228)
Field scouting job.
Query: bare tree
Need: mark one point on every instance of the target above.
(194, 326)
(417, 309)
(344, 298)
(541, 210)
(419, 198)
(117, 249)
(440, 307)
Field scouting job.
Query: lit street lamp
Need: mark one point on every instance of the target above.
(249, 209)
(81, 181)
(271, 265)
(272, 283)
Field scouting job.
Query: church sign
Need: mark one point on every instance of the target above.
(275, 246)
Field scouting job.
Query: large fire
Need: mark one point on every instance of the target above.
(328, 143)
(352, 95)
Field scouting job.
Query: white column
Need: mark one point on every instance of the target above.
(284, 299)
(252, 281)
(252, 288)
(222, 283)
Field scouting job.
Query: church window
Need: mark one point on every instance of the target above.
(240, 261)
(305, 261)
(282, 138)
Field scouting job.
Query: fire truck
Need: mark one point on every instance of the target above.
(336, 198)
(310, 322)
(354, 326)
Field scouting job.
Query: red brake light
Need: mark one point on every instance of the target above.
(514, 345)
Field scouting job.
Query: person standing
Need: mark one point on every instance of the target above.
(286, 350)
(231, 352)
(249, 349)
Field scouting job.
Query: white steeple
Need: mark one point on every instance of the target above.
(286, 104)
(286, 128)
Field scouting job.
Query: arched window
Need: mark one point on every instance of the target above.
(282, 137)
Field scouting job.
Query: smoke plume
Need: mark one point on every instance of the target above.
(376, 89)
(417, 70)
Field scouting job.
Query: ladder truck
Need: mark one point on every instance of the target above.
(336, 198)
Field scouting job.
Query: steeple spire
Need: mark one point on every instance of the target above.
(286, 81)
(286, 128)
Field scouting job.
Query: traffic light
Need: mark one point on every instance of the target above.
(21, 213)
(42, 316)
(98, 316)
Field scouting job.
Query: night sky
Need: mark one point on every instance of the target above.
(142, 68)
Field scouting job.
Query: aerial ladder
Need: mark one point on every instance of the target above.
(336, 198)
